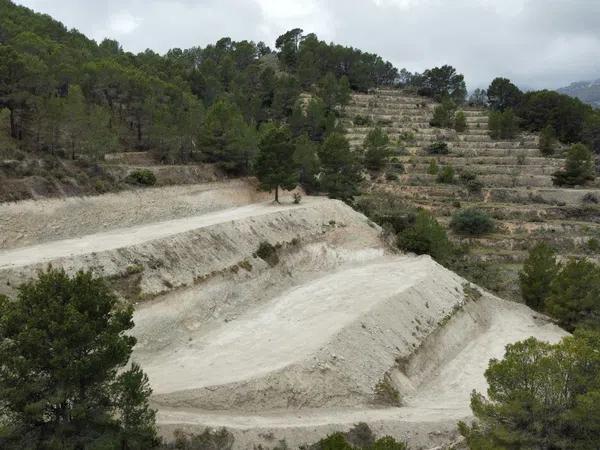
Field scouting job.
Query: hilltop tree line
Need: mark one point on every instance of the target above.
(64, 94)
(555, 115)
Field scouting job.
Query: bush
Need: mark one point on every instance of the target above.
(376, 146)
(268, 253)
(359, 437)
(425, 236)
(539, 270)
(443, 115)
(548, 141)
(574, 294)
(433, 168)
(362, 121)
(438, 148)
(446, 175)
(579, 167)
(207, 440)
(143, 177)
(470, 181)
(386, 393)
(541, 396)
(387, 209)
(503, 125)
(460, 122)
(471, 222)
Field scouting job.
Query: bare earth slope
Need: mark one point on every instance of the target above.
(290, 349)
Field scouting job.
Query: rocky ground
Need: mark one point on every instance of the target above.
(516, 180)
(329, 328)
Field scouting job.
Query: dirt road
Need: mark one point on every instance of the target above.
(287, 329)
(125, 237)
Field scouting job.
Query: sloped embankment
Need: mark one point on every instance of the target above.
(327, 330)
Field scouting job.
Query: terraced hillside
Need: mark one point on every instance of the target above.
(516, 180)
(276, 321)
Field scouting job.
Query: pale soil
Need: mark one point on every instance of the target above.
(287, 329)
(292, 351)
(430, 413)
(34, 221)
(125, 237)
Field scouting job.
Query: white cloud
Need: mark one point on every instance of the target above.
(123, 23)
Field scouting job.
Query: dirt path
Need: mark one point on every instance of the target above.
(287, 329)
(307, 418)
(125, 237)
(450, 387)
(444, 396)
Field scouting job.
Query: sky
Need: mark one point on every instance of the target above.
(536, 43)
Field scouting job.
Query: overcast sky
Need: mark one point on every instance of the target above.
(536, 43)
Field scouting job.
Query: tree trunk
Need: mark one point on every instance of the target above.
(13, 124)
(277, 194)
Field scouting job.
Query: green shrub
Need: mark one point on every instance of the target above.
(376, 146)
(406, 136)
(541, 396)
(547, 143)
(579, 167)
(471, 222)
(425, 236)
(143, 177)
(443, 115)
(433, 168)
(470, 181)
(359, 437)
(438, 148)
(362, 121)
(386, 393)
(460, 122)
(386, 209)
(503, 125)
(539, 270)
(593, 246)
(446, 175)
(209, 439)
(574, 295)
(268, 253)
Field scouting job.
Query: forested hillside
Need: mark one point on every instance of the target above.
(66, 94)
(66, 101)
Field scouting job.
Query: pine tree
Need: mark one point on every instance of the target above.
(539, 270)
(341, 169)
(376, 147)
(64, 339)
(574, 294)
(275, 166)
(460, 122)
(579, 167)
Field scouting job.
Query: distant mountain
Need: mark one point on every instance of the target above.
(586, 91)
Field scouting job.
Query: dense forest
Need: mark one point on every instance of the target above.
(63, 95)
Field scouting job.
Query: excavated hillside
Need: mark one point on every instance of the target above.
(276, 321)
(516, 178)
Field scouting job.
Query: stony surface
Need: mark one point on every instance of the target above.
(287, 349)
